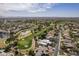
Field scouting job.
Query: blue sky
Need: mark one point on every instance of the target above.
(39, 9)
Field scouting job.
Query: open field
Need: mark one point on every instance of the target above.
(25, 42)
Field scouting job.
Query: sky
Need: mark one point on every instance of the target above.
(39, 9)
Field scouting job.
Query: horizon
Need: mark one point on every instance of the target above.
(36, 17)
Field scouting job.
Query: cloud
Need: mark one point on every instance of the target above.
(24, 8)
(29, 7)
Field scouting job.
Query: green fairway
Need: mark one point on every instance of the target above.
(42, 31)
(25, 42)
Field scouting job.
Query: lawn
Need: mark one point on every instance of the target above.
(25, 42)
(42, 31)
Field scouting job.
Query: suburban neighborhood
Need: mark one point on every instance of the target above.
(39, 37)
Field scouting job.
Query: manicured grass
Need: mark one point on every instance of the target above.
(42, 31)
(25, 42)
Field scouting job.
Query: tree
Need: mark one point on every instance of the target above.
(31, 53)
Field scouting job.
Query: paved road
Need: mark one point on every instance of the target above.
(57, 48)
